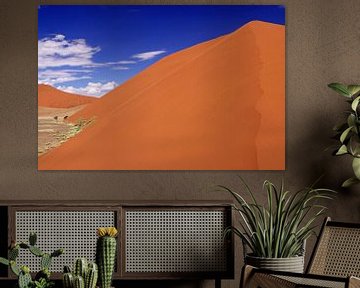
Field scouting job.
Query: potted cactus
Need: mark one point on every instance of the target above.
(84, 275)
(42, 278)
(106, 254)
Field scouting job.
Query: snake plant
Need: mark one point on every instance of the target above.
(348, 133)
(279, 228)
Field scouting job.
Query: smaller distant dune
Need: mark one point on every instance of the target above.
(51, 97)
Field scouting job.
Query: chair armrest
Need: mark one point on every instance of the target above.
(255, 277)
(354, 282)
(252, 277)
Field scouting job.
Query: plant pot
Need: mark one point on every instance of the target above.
(291, 264)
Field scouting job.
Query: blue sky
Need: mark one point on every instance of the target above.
(91, 49)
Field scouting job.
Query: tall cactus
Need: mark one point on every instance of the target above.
(106, 254)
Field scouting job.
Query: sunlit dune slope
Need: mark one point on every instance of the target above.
(219, 105)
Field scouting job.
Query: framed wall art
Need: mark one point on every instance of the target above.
(161, 87)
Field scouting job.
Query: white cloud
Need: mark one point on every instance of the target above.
(148, 55)
(51, 77)
(91, 89)
(120, 68)
(105, 64)
(59, 37)
(57, 52)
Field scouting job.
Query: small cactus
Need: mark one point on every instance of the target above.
(45, 261)
(106, 254)
(80, 268)
(91, 276)
(68, 280)
(79, 282)
(24, 278)
(89, 272)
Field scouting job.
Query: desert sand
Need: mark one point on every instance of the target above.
(53, 127)
(49, 96)
(219, 105)
(54, 107)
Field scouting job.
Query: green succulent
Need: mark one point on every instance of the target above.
(43, 283)
(348, 132)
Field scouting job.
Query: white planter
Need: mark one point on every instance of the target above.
(291, 264)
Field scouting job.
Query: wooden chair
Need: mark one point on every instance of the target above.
(335, 262)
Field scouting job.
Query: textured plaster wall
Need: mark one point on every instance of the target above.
(323, 46)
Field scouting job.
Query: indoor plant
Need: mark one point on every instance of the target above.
(276, 233)
(84, 274)
(42, 278)
(348, 132)
(106, 254)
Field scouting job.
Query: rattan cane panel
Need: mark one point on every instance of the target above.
(75, 231)
(175, 241)
(312, 282)
(338, 253)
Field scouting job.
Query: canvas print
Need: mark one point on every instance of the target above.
(161, 87)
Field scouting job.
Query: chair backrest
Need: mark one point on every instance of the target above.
(337, 251)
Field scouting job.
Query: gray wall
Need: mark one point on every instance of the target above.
(323, 46)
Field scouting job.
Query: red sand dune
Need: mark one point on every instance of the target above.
(49, 96)
(219, 105)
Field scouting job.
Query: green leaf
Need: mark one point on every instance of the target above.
(340, 88)
(342, 150)
(45, 261)
(24, 245)
(356, 167)
(345, 134)
(354, 145)
(351, 120)
(13, 253)
(279, 228)
(14, 268)
(353, 89)
(355, 103)
(36, 251)
(32, 238)
(340, 127)
(4, 261)
(349, 182)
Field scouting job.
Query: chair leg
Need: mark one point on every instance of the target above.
(217, 283)
(246, 273)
